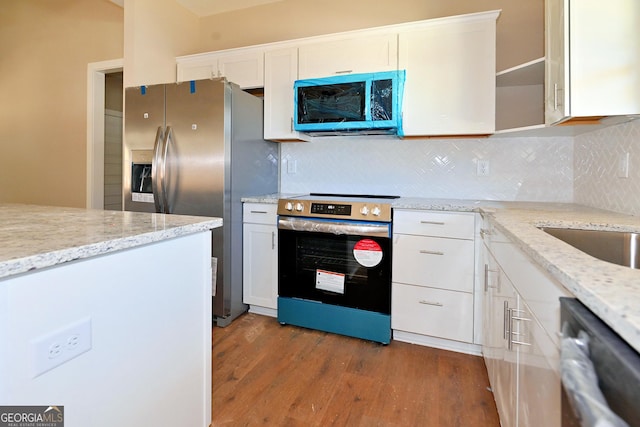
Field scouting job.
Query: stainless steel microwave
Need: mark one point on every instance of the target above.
(363, 103)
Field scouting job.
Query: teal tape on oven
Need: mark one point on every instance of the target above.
(192, 86)
(143, 90)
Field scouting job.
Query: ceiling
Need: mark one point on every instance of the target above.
(213, 7)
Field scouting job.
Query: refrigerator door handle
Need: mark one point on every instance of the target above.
(156, 170)
(165, 148)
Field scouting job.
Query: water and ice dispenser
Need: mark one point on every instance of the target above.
(141, 184)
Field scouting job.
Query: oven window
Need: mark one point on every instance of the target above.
(344, 102)
(351, 271)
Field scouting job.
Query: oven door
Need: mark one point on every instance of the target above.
(345, 263)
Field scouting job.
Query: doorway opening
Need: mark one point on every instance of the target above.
(104, 134)
(113, 106)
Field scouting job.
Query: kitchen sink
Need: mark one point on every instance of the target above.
(618, 247)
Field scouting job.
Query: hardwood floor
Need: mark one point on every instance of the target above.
(268, 374)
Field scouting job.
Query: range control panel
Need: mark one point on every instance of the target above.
(330, 209)
(367, 210)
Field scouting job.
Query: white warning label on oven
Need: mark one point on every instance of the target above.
(330, 281)
(367, 252)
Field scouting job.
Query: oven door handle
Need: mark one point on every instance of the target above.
(333, 227)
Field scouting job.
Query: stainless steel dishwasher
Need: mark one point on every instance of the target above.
(600, 371)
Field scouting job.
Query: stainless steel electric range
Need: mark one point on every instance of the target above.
(334, 263)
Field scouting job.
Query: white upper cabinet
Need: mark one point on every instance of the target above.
(450, 76)
(243, 67)
(280, 72)
(361, 54)
(593, 59)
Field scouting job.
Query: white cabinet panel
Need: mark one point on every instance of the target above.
(205, 68)
(434, 262)
(244, 68)
(375, 53)
(458, 225)
(593, 59)
(433, 274)
(260, 213)
(434, 312)
(280, 73)
(540, 388)
(450, 80)
(536, 286)
(260, 255)
(520, 346)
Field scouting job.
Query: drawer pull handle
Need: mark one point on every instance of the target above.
(424, 251)
(425, 302)
(432, 222)
(344, 72)
(259, 212)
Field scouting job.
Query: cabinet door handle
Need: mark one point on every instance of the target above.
(487, 270)
(511, 341)
(432, 222)
(259, 212)
(485, 232)
(344, 72)
(273, 240)
(424, 251)
(435, 303)
(505, 316)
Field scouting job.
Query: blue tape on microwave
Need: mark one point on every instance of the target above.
(353, 102)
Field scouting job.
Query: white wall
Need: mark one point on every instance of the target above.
(597, 156)
(522, 169)
(155, 32)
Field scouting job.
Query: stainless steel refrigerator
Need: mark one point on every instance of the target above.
(196, 148)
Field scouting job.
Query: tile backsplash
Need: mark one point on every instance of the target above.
(520, 169)
(597, 157)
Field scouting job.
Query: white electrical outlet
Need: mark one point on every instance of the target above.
(623, 166)
(57, 347)
(482, 168)
(292, 166)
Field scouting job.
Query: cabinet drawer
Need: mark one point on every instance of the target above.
(433, 261)
(433, 312)
(456, 225)
(260, 213)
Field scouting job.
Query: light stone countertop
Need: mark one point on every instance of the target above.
(34, 237)
(611, 291)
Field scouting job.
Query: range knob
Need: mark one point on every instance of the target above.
(299, 207)
(288, 206)
(364, 210)
(376, 211)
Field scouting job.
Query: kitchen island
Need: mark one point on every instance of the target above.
(107, 314)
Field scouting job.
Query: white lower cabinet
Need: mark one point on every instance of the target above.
(540, 390)
(433, 274)
(520, 342)
(434, 312)
(260, 258)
